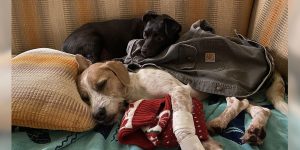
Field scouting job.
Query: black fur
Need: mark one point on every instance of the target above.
(100, 41)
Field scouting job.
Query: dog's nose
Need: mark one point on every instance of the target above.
(101, 114)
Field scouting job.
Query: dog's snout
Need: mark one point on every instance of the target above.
(145, 51)
(148, 54)
(100, 115)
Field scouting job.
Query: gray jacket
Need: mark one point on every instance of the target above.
(210, 63)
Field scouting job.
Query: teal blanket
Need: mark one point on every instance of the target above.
(106, 139)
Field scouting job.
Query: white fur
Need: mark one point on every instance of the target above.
(154, 83)
(275, 94)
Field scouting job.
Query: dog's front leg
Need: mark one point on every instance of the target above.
(183, 124)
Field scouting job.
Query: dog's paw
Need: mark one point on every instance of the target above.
(254, 135)
(236, 104)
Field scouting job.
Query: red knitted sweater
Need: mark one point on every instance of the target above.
(148, 123)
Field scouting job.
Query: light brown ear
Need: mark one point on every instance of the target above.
(82, 62)
(119, 69)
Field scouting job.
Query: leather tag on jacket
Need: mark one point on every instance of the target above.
(210, 57)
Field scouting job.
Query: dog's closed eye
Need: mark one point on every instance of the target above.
(101, 85)
(86, 99)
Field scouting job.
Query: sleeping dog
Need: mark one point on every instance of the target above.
(100, 41)
(107, 86)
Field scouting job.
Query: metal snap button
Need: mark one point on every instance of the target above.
(219, 88)
(189, 58)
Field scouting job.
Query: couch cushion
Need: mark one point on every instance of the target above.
(269, 26)
(44, 92)
(46, 24)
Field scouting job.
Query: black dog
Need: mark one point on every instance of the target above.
(100, 41)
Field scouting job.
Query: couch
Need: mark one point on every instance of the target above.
(46, 23)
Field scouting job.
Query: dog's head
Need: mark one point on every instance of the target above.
(103, 87)
(160, 31)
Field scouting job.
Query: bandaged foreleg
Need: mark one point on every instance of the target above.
(184, 130)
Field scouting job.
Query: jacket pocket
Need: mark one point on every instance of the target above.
(187, 55)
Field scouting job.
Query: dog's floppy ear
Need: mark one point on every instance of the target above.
(149, 15)
(171, 26)
(204, 25)
(119, 69)
(82, 63)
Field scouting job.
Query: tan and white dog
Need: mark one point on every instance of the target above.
(106, 86)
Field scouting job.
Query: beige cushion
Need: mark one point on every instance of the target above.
(269, 26)
(44, 92)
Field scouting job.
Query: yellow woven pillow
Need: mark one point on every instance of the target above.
(44, 92)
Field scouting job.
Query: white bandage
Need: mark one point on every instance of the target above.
(183, 120)
(184, 130)
(191, 143)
